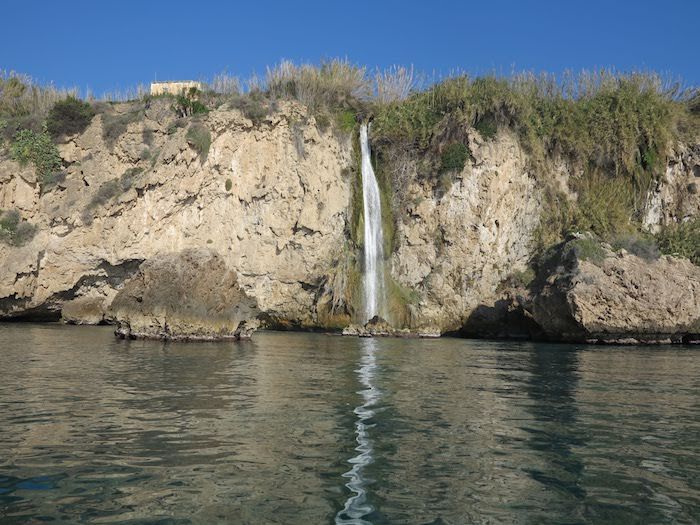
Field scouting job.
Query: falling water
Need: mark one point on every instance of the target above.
(374, 292)
(357, 507)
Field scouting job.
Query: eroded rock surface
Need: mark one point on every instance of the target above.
(190, 295)
(617, 297)
(271, 199)
(456, 245)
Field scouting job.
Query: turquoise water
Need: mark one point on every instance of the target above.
(306, 428)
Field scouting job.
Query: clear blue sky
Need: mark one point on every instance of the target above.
(113, 45)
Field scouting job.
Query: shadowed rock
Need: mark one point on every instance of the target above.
(190, 295)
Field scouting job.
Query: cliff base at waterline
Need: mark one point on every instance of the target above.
(190, 295)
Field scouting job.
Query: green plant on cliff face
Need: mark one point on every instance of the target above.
(346, 120)
(199, 138)
(39, 150)
(640, 244)
(454, 157)
(68, 117)
(682, 240)
(14, 230)
(254, 106)
(588, 249)
(188, 103)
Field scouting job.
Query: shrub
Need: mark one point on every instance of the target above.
(177, 124)
(454, 157)
(68, 117)
(38, 149)
(487, 127)
(254, 106)
(12, 91)
(228, 185)
(199, 138)
(521, 278)
(14, 230)
(24, 104)
(637, 244)
(605, 205)
(346, 120)
(588, 248)
(188, 103)
(682, 240)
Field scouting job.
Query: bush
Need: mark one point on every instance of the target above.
(188, 103)
(199, 138)
(637, 244)
(254, 106)
(346, 120)
(68, 117)
(682, 240)
(587, 248)
(487, 127)
(14, 230)
(228, 185)
(454, 157)
(520, 278)
(38, 149)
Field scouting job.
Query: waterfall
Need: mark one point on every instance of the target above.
(373, 278)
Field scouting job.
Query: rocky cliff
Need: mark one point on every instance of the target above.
(271, 199)
(274, 200)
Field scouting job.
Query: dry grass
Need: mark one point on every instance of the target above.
(329, 86)
(394, 84)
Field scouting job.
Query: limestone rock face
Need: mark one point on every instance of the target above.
(190, 295)
(457, 245)
(271, 199)
(676, 196)
(617, 298)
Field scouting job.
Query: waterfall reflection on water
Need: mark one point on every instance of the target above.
(357, 507)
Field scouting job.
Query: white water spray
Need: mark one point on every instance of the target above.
(374, 288)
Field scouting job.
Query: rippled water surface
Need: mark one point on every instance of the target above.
(296, 428)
